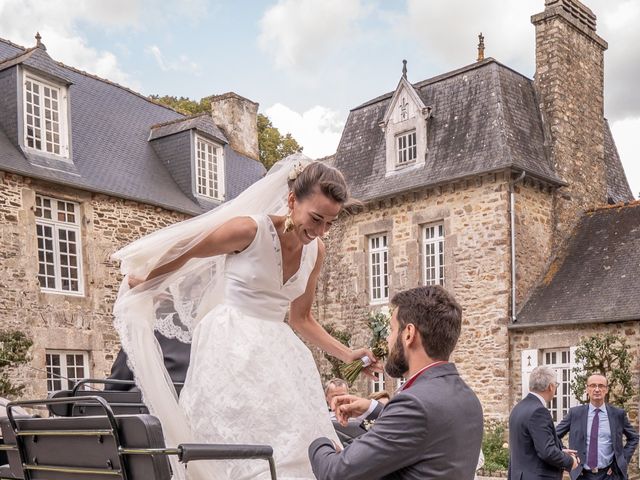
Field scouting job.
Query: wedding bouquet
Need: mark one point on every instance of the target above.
(379, 324)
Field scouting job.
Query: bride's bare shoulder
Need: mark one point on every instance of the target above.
(234, 235)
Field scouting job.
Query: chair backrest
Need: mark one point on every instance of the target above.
(85, 448)
(122, 402)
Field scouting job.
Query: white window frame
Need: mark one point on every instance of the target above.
(209, 169)
(562, 360)
(406, 152)
(67, 382)
(378, 268)
(400, 382)
(63, 116)
(432, 243)
(58, 229)
(377, 383)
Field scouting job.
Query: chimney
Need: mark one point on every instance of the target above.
(238, 118)
(569, 81)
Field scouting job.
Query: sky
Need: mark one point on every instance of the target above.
(308, 62)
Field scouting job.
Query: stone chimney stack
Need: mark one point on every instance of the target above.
(569, 80)
(238, 118)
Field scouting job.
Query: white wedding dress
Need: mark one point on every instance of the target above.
(251, 379)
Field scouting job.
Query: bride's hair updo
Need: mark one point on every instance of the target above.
(329, 181)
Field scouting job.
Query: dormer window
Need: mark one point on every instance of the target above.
(209, 169)
(45, 117)
(407, 150)
(405, 130)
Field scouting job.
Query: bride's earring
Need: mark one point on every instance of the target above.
(288, 223)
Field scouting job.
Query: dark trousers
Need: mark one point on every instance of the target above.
(601, 475)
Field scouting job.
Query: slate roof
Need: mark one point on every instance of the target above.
(111, 151)
(485, 117)
(202, 122)
(599, 279)
(618, 189)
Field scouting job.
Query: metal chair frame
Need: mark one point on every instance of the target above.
(184, 452)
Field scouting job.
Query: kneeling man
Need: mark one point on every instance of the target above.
(432, 428)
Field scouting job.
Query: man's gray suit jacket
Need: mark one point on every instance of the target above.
(575, 422)
(431, 430)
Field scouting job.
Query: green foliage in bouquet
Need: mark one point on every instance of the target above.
(378, 323)
(343, 337)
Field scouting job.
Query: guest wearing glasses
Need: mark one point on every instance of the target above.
(595, 431)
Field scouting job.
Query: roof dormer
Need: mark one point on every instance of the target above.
(43, 127)
(405, 127)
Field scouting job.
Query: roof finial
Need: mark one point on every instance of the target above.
(39, 43)
(480, 47)
(404, 69)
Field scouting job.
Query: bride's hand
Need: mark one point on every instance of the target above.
(376, 365)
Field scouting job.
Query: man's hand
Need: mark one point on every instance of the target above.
(349, 406)
(576, 462)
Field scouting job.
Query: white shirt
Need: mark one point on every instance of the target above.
(544, 402)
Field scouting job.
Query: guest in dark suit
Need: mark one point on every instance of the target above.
(432, 428)
(535, 451)
(176, 359)
(596, 431)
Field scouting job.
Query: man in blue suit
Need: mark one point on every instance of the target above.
(535, 451)
(596, 431)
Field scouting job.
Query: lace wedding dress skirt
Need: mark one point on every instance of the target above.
(251, 379)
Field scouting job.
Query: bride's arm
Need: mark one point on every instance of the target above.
(232, 236)
(302, 321)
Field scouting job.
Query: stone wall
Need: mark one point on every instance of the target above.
(477, 257)
(534, 236)
(569, 79)
(58, 321)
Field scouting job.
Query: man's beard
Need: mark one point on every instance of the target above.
(397, 365)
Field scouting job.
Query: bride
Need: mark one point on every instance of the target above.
(232, 275)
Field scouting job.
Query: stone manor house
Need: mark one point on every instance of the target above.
(86, 167)
(508, 191)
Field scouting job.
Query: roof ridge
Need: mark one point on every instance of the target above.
(11, 43)
(443, 76)
(619, 205)
(18, 55)
(87, 74)
(110, 82)
(178, 120)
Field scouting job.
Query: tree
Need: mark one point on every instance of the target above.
(273, 146)
(607, 355)
(13, 352)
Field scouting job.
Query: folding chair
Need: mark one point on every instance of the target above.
(126, 447)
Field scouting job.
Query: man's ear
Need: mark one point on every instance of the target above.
(410, 334)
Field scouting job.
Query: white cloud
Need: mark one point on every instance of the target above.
(182, 64)
(318, 129)
(448, 30)
(56, 22)
(625, 134)
(300, 33)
